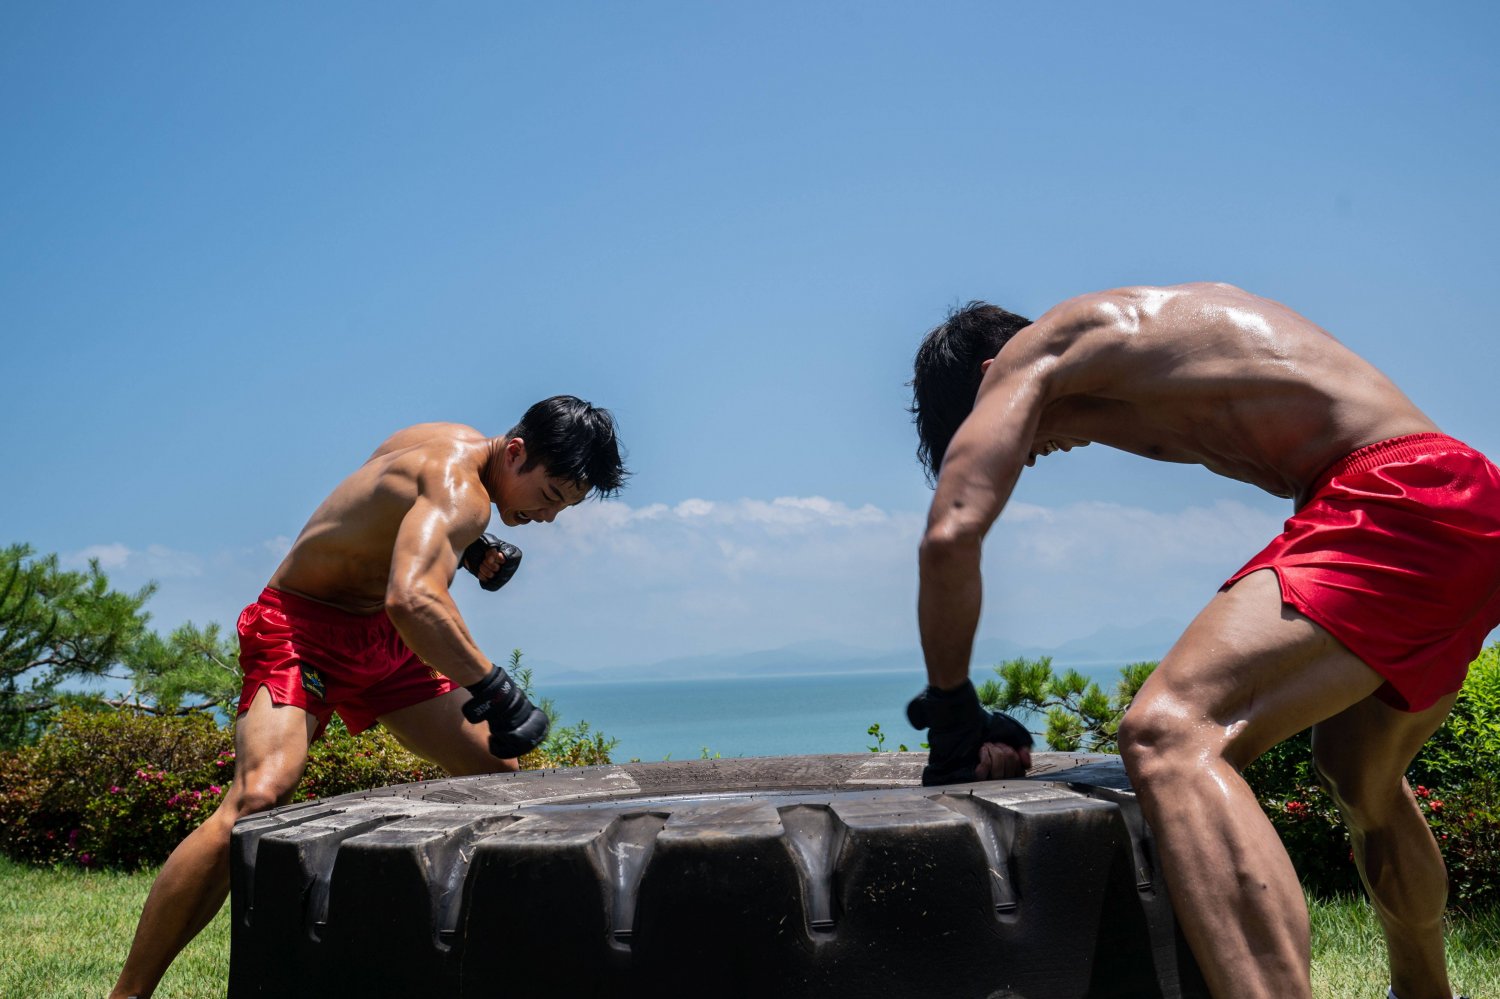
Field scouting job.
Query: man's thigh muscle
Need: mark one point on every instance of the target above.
(437, 730)
(1251, 671)
(270, 750)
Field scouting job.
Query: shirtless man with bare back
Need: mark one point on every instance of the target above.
(1359, 621)
(358, 619)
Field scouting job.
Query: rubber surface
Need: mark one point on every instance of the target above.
(823, 876)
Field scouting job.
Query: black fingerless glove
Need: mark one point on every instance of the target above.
(516, 725)
(474, 558)
(957, 726)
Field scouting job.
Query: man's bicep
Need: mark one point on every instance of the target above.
(427, 546)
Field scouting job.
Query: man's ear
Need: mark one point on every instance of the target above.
(515, 452)
(984, 365)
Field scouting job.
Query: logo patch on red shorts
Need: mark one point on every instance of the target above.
(311, 681)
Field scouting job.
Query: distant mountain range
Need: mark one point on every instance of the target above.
(1149, 640)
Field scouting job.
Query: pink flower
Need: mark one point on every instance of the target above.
(215, 789)
(85, 859)
(114, 789)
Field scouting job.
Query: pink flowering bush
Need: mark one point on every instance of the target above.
(1466, 823)
(113, 789)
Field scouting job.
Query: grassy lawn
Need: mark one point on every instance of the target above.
(1348, 952)
(67, 931)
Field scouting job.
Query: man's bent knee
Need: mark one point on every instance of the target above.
(1161, 738)
(1150, 734)
(254, 798)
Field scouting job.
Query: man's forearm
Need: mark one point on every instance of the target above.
(432, 628)
(948, 603)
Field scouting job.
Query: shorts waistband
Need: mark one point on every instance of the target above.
(309, 609)
(1384, 452)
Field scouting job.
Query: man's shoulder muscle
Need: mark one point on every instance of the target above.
(436, 462)
(1071, 348)
(428, 434)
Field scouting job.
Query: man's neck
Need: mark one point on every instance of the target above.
(490, 468)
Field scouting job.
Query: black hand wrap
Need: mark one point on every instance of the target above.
(474, 558)
(957, 726)
(516, 725)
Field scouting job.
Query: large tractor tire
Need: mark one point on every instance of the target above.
(817, 876)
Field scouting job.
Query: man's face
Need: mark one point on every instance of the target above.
(534, 495)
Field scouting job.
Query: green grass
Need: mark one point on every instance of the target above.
(66, 933)
(1348, 951)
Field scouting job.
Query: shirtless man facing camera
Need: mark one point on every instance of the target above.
(358, 619)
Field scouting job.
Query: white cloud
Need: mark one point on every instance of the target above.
(693, 508)
(112, 556)
(1057, 573)
(610, 584)
(154, 561)
(1091, 531)
(702, 577)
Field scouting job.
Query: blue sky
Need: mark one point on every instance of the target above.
(243, 243)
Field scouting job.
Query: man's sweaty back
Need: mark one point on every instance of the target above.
(1200, 373)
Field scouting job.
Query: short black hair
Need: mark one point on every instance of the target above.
(573, 440)
(946, 374)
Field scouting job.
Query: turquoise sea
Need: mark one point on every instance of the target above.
(760, 716)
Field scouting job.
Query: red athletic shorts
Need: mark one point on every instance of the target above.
(323, 660)
(1397, 555)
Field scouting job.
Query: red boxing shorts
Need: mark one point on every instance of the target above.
(323, 660)
(1397, 555)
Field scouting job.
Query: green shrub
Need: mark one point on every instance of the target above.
(570, 746)
(117, 789)
(1467, 747)
(340, 763)
(112, 789)
(1466, 823)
